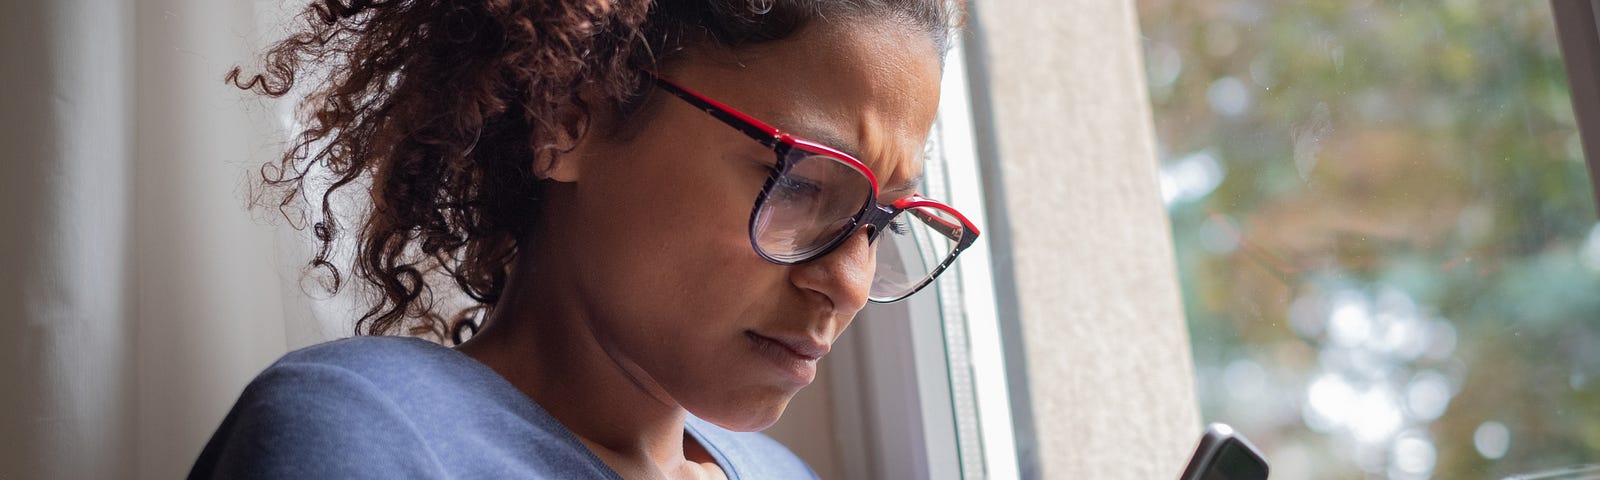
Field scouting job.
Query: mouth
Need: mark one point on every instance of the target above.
(794, 358)
(799, 346)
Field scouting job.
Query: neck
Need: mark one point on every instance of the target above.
(542, 342)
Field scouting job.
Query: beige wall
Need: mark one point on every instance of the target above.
(1087, 261)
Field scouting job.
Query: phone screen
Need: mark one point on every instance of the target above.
(1234, 461)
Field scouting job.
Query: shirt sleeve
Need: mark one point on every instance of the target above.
(315, 421)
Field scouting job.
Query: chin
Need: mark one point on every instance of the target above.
(745, 417)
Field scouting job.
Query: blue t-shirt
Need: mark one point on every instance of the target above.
(392, 407)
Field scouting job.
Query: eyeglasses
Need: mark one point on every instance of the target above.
(817, 197)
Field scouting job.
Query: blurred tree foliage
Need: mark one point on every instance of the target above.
(1383, 193)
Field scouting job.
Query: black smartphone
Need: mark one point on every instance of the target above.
(1224, 454)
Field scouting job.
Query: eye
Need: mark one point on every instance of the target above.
(897, 226)
(795, 188)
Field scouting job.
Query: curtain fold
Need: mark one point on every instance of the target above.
(142, 294)
(65, 216)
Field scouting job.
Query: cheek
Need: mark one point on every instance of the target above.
(686, 216)
(672, 232)
(667, 262)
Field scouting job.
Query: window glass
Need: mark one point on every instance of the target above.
(953, 327)
(1385, 232)
(979, 408)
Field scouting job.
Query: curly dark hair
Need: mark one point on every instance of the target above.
(439, 108)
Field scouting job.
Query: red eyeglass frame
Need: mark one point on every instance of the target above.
(870, 214)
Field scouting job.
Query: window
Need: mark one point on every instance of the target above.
(1385, 232)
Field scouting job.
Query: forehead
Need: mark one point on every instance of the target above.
(869, 88)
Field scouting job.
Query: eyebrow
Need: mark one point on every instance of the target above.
(908, 185)
(827, 138)
(835, 141)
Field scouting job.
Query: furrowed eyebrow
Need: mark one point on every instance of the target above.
(908, 185)
(838, 143)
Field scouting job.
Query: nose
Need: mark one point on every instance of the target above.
(843, 277)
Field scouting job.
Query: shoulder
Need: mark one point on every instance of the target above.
(412, 374)
(749, 455)
(369, 369)
(388, 407)
(371, 356)
(395, 373)
(306, 418)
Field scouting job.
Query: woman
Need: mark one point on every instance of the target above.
(627, 189)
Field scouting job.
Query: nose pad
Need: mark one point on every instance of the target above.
(873, 221)
(843, 276)
(872, 233)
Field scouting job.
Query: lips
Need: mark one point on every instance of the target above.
(793, 358)
(798, 345)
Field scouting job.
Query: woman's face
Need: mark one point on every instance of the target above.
(653, 229)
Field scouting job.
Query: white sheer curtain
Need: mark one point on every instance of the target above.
(141, 295)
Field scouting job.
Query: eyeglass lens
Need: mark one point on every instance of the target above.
(813, 205)
(912, 249)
